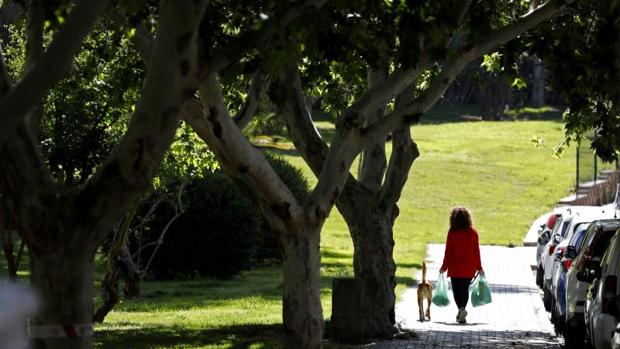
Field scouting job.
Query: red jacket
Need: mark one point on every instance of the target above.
(462, 256)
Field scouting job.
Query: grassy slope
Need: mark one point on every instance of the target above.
(491, 167)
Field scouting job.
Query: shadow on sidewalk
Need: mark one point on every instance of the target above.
(465, 337)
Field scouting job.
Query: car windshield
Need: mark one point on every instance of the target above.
(564, 228)
(613, 245)
(600, 243)
(578, 236)
(557, 225)
(587, 239)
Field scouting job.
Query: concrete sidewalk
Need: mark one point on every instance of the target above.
(515, 319)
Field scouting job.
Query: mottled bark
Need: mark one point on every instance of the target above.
(6, 241)
(374, 265)
(368, 205)
(63, 278)
(298, 226)
(64, 225)
(299, 234)
(301, 307)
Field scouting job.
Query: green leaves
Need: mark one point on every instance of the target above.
(492, 62)
(580, 52)
(519, 83)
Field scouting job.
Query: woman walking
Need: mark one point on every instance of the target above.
(461, 258)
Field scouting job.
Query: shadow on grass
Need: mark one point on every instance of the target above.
(328, 253)
(256, 336)
(235, 337)
(263, 283)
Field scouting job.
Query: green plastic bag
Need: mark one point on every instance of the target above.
(440, 296)
(481, 292)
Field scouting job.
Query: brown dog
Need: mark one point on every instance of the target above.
(425, 291)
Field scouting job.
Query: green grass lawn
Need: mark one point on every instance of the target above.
(491, 167)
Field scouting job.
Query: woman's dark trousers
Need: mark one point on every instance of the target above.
(460, 289)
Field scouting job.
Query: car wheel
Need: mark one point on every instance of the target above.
(574, 337)
(547, 299)
(540, 274)
(560, 325)
(554, 313)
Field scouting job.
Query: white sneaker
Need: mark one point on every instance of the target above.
(461, 316)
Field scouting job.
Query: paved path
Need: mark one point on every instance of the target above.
(515, 319)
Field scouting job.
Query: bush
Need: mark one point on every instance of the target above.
(220, 233)
(216, 236)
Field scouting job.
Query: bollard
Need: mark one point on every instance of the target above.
(347, 324)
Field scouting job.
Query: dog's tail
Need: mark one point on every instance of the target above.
(423, 272)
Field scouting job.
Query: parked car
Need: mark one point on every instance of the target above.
(615, 342)
(559, 277)
(600, 308)
(543, 239)
(575, 220)
(565, 218)
(591, 250)
(542, 226)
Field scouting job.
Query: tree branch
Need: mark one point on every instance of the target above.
(383, 91)
(170, 81)
(241, 160)
(51, 67)
(414, 111)
(192, 112)
(144, 42)
(22, 167)
(178, 211)
(528, 21)
(287, 96)
(404, 153)
(34, 51)
(373, 159)
(249, 107)
(223, 56)
(141, 39)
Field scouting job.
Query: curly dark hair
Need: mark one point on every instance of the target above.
(460, 218)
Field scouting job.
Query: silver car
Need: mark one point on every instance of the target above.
(601, 302)
(578, 278)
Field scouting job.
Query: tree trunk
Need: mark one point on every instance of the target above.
(301, 311)
(63, 279)
(538, 83)
(374, 267)
(494, 96)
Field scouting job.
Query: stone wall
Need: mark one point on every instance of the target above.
(599, 193)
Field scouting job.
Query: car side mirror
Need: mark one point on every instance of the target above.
(588, 274)
(556, 239)
(544, 237)
(571, 252)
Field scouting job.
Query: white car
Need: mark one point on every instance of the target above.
(539, 226)
(591, 251)
(600, 319)
(558, 313)
(615, 343)
(553, 222)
